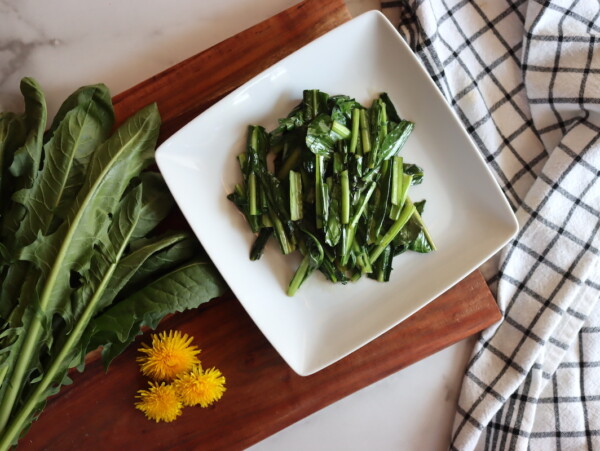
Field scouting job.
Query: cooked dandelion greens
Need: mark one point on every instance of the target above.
(338, 191)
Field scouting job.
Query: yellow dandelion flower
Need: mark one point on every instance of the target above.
(159, 403)
(170, 355)
(200, 387)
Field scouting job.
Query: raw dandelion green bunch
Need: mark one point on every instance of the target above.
(172, 358)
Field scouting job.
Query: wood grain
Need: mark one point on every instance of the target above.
(263, 394)
(188, 88)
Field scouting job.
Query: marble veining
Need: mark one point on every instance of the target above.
(14, 53)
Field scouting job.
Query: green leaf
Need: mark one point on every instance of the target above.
(341, 107)
(94, 110)
(416, 172)
(256, 146)
(420, 206)
(379, 129)
(84, 127)
(333, 231)
(112, 167)
(12, 341)
(150, 260)
(20, 174)
(381, 209)
(278, 205)
(293, 121)
(412, 236)
(107, 259)
(92, 296)
(68, 250)
(314, 102)
(382, 268)
(331, 272)
(12, 136)
(313, 257)
(260, 242)
(156, 203)
(98, 94)
(52, 371)
(109, 252)
(20, 286)
(395, 139)
(420, 244)
(27, 158)
(184, 288)
(392, 114)
(320, 138)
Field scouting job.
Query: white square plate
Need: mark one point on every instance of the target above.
(466, 212)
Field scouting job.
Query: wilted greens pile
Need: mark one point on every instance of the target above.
(81, 262)
(338, 191)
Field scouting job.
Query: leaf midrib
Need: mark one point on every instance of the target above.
(72, 157)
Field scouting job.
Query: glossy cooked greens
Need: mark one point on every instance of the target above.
(81, 265)
(338, 191)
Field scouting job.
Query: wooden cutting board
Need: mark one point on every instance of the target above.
(263, 394)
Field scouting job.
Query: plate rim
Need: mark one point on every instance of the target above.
(163, 160)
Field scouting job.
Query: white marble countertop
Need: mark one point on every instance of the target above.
(68, 43)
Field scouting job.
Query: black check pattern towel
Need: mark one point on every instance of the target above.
(524, 78)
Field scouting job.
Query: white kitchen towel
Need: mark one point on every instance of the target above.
(524, 78)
